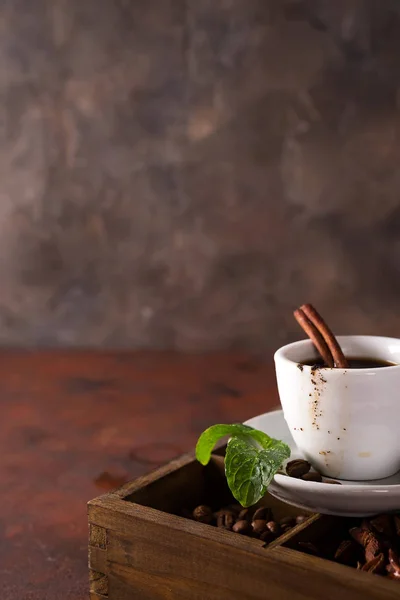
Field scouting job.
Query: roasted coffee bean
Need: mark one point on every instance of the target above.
(297, 468)
(242, 527)
(332, 481)
(244, 514)
(203, 514)
(257, 523)
(312, 476)
(259, 526)
(262, 513)
(225, 519)
(274, 528)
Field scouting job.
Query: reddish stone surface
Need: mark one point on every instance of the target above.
(73, 424)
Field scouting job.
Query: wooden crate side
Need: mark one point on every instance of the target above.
(131, 531)
(122, 517)
(141, 483)
(190, 569)
(317, 578)
(109, 512)
(127, 583)
(194, 562)
(185, 567)
(183, 487)
(162, 472)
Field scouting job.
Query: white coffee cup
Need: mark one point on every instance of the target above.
(345, 422)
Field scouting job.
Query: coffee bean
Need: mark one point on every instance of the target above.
(225, 519)
(257, 523)
(203, 514)
(259, 526)
(262, 513)
(242, 527)
(244, 514)
(274, 528)
(297, 468)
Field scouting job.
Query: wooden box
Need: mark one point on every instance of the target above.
(140, 548)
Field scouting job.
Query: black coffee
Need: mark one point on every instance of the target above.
(354, 363)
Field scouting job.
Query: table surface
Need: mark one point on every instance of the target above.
(76, 424)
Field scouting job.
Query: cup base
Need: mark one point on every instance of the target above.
(358, 475)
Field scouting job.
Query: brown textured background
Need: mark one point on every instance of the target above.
(182, 173)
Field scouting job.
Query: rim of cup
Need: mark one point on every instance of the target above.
(282, 353)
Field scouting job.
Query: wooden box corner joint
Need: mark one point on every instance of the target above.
(98, 576)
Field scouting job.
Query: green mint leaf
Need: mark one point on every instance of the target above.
(210, 437)
(249, 470)
(251, 461)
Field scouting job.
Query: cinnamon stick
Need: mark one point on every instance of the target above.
(315, 336)
(337, 357)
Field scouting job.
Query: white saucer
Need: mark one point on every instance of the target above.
(351, 499)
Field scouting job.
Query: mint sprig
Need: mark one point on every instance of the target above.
(252, 458)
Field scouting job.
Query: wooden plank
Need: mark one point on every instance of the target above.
(191, 569)
(186, 568)
(160, 473)
(161, 557)
(128, 584)
(109, 512)
(97, 559)
(181, 487)
(186, 483)
(123, 517)
(306, 576)
(167, 488)
(298, 531)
